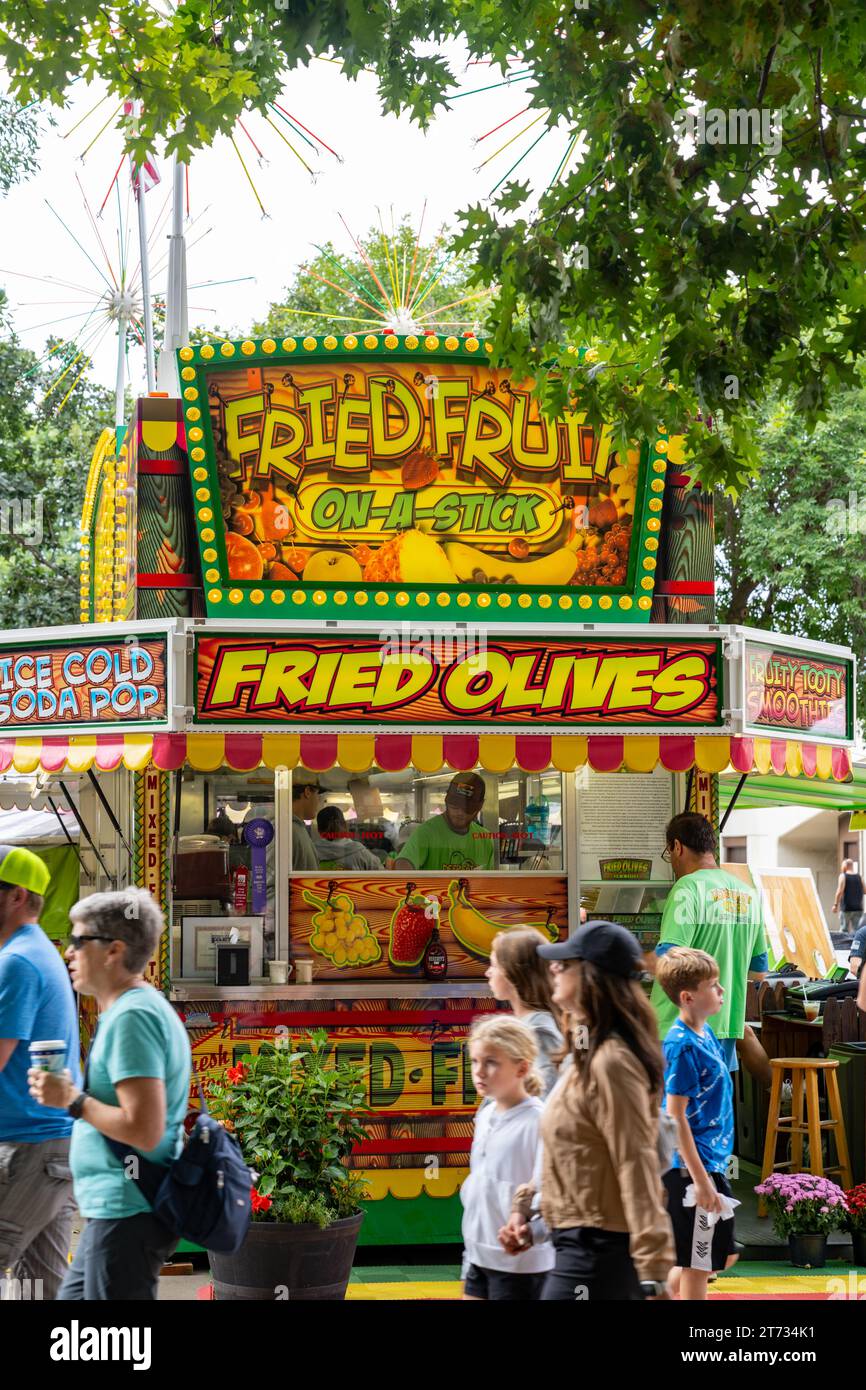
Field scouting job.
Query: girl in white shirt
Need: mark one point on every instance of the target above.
(503, 1053)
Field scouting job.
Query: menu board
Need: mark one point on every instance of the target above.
(623, 816)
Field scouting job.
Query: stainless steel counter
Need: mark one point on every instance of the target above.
(382, 989)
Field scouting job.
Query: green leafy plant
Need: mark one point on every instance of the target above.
(294, 1110)
(718, 269)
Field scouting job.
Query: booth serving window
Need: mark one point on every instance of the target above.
(412, 820)
(224, 873)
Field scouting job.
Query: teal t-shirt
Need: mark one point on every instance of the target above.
(138, 1035)
(712, 911)
(435, 845)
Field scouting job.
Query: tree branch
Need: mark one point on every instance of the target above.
(765, 74)
(819, 101)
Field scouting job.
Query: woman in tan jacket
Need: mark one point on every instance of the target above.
(600, 1191)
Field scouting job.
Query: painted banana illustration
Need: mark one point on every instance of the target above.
(475, 931)
(470, 565)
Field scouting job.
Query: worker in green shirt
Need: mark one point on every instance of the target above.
(710, 910)
(454, 839)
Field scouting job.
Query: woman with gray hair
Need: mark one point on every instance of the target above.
(136, 1091)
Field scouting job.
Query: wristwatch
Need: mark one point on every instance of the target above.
(653, 1288)
(76, 1106)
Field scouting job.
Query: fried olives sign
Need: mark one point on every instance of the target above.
(555, 683)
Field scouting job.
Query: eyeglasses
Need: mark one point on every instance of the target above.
(75, 943)
(666, 854)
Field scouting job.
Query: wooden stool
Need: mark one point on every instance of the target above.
(804, 1079)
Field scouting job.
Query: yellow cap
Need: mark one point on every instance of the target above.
(23, 869)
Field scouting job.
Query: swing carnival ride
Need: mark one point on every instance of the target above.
(121, 299)
(506, 88)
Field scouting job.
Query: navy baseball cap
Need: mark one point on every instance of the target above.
(466, 791)
(611, 947)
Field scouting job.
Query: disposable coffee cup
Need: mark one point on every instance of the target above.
(49, 1055)
(279, 971)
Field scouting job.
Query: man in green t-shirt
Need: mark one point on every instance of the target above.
(712, 911)
(454, 839)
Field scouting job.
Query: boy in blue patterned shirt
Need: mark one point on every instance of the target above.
(700, 1099)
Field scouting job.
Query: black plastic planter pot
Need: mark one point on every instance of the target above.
(280, 1261)
(808, 1251)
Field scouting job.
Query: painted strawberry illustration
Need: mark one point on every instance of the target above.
(411, 929)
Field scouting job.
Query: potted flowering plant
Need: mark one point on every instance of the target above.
(294, 1110)
(855, 1222)
(805, 1208)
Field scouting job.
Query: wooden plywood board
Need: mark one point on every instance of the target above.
(795, 921)
(740, 871)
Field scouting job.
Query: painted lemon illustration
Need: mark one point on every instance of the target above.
(341, 934)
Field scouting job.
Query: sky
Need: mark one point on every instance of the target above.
(387, 163)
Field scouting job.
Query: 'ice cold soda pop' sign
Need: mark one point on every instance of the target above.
(84, 683)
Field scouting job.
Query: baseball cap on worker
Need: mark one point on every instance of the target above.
(606, 944)
(23, 869)
(466, 792)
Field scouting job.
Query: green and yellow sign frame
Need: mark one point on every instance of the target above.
(406, 477)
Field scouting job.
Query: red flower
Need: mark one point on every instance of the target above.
(259, 1202)
(235, 1074)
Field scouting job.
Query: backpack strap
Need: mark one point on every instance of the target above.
(149, 1175)
(146, 1175)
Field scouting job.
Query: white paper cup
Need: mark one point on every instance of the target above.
(304, 972)
(279, 971)
(49, 1055)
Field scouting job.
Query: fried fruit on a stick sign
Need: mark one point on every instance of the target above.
(336, 470)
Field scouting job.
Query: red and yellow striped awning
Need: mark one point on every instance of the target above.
(358, 752)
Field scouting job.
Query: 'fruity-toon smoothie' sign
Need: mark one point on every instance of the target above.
(796, 693)
(82, 683)
(555, 682)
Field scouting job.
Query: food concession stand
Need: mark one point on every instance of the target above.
(366, 566)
